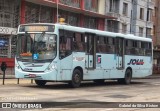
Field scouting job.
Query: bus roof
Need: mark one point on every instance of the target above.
(97, 32)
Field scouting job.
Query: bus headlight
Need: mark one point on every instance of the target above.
(17, 66)
(52, 67)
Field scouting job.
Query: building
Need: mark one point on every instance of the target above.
(156, 37)
(9, 20)
(82, 13)
(133, 16)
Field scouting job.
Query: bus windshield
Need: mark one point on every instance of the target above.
(36, 46)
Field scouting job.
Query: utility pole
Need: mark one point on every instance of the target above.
(147, 18)
(57, 10)
(133, 17)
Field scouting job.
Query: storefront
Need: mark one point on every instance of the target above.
(9, 21)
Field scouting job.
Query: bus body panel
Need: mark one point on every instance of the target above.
(29, 66)
(141, 65)
(65, 68)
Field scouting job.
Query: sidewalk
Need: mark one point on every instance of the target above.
(153, 76)
(15, 81)
(12, 76)
(11, 80)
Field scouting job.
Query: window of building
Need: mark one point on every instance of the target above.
(35, 13)
(140, 31)
(46, 14)
(114, 6)
(149, 14)
(155, 11)
(111, 7)
(154, 30)
(112, 26)
(90, 22)
(9, 13)
(4, 47)
(70, 18)
(73, 3)
(125, 9)
(31, 13)
(73, 19)
(91, 5)
(141, 13)
(148, 32)
(124, 28)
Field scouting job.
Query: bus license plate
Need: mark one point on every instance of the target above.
(32, 75)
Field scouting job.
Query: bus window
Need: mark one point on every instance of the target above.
(148, 49)
(143, 48)
(129, 47)
(65, 44)
(79, 42)
(136, 47)
(110, 45)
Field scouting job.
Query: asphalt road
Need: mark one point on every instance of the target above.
(110, 96)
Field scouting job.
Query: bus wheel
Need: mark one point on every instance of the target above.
(40, 82)
(128, 76)
(76, 79)
(99, 81)
(127, 79)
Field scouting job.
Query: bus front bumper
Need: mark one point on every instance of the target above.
(46, 75)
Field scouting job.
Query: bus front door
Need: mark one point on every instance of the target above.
(90, 57)
(120, 53)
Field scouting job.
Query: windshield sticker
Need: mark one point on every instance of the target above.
(35, 56)
(26, 54)
(98, 64)
(98, 59)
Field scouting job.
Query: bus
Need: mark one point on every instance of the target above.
(58, 52)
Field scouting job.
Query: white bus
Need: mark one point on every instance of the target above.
(56, 52)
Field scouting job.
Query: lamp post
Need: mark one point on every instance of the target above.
(57, 10)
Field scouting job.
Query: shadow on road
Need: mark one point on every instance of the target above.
(86, 84)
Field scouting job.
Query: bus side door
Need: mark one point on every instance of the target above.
(90, 58)
(119, 53)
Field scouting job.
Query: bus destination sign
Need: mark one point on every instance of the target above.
(36, 28)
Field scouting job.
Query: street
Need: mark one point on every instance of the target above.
(140, 90)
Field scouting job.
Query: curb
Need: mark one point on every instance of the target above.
(149, 77)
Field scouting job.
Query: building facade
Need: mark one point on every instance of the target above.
(9, 20)
(156, 37)
(133, 17)
(81, 13)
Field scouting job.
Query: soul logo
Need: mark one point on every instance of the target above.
(136, 62)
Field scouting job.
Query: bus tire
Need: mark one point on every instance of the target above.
(40, 82)
(76, 78)
(99, 81)
(127, 79)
